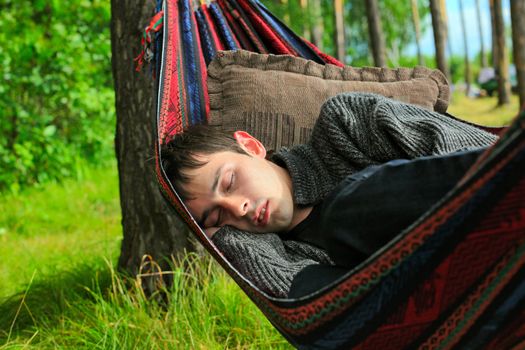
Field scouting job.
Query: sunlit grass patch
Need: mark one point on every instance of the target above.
(100, 309)
(62, 207)
(483, 110)
(59, 288)
(57, 226)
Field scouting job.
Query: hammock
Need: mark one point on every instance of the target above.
(455, 278)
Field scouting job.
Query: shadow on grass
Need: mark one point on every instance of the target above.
(47, 300)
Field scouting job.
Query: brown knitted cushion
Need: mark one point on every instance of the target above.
(278, 98)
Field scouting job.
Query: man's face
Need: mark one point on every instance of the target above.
(245, 191)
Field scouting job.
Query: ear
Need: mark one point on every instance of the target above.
(250, 144)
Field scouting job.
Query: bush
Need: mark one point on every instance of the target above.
(56, 95)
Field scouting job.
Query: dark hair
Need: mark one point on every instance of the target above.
(179, 154)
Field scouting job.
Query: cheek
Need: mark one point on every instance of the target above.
(193, 207)
(211, 231)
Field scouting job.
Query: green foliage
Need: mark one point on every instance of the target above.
(397, 25)
(411, 61)
(56, 97)
(396, 17)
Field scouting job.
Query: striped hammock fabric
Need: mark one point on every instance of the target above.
(454, 279)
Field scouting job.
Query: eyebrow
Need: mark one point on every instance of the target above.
(213, 189)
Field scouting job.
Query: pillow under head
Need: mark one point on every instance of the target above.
(278, 98)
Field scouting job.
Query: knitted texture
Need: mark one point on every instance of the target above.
(353, 131)
(358, 130)
(269, 262)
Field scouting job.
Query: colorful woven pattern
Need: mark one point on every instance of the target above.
(455, 278)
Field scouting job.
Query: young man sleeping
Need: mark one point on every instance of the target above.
(371, 167)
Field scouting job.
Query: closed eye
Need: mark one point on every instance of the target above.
(230, 185)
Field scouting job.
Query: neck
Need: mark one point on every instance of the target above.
(300, 212)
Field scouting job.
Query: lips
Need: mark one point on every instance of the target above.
(262, 215)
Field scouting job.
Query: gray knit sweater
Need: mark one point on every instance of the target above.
(353, 131)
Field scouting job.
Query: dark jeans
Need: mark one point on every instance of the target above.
(371, 207)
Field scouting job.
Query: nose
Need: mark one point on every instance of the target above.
(238, 206)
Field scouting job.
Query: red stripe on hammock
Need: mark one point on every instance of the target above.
(246, 25)
(326, 58)
(279, 46)
(241, 36)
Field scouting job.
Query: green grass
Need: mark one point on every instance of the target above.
(59, 288)
(484, 110)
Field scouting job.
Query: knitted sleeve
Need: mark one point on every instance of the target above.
(357, 130)
(266, 260)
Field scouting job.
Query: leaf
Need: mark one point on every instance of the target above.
(49, 130)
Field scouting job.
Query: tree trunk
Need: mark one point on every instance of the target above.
(465, 47)
(149, 225)
(417, 30)
(440, 37)
(482, 57)
(502, 69)
(444, 17)
(317, 23)
(495, 54)
(517, 12)
(339, 31)
(306, 20)
(375, 30)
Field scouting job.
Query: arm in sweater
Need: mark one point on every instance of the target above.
(267, 261)
(356, 130)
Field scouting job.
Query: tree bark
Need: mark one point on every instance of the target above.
(149, 225)
(417, 31)
(495, 54)
(482, 57)
(317, 23)
(465, 47)
(502, 69)
(339, 31)
(444, 16)
(375, 30)
(440, 37)
(517, 12)
(306, 20)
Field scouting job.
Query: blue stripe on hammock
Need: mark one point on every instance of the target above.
(285, 33)
(223, 27)
(191, 60)
(208, 48)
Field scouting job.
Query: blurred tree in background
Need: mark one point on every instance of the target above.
(56, 91)
(303, 17)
